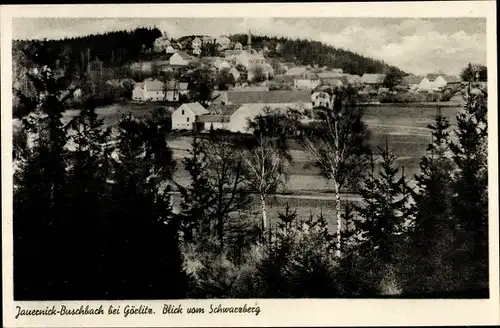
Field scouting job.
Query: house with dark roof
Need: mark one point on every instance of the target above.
(218, 118)
(149, 90)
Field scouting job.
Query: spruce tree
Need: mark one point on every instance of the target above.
(384, 218)
(41, 176)
(470, 186)
(428, 259)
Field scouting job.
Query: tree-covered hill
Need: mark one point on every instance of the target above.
(121, 47)
(113, 48)
(308, 52)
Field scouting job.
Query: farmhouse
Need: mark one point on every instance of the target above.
(218, 118)
(149, 90)
(180, 59)
(306, 81)
(373, 80)
(184, 117)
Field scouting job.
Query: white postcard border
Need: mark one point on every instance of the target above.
(286, 312)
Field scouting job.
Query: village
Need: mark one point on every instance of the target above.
(253, 79)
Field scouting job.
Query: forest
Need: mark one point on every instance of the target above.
(95, 220)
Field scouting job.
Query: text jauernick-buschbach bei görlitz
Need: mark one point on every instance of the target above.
(128, 310)
(64, 310)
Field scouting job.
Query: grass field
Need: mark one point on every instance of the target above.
(404, 126)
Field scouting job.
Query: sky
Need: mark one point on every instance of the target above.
(417, 46)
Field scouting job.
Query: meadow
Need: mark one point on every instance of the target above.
(402, 125)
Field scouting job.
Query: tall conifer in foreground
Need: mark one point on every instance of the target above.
(470, 185)
(431, 242)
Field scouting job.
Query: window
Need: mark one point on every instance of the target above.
(187, 119)
(183, 112)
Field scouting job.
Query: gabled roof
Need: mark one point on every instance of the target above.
(213, 118)
(298, 70)
(196, 108)
(331, 74)
(268, 97)
(452, 79)
(411, 79)
(333, 81)
(431, 77)
(373, 78)
(153, 85)
(218, 109)
(183, 55)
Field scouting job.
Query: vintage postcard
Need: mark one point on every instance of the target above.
(250, 164)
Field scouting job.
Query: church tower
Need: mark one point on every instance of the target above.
(249, 40)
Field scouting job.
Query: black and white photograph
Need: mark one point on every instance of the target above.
(248, 157)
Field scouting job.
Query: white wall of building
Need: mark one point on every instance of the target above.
(183, 118)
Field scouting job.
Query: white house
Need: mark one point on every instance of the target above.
(196, 51)
(180, 59)
(425, 85)
(306, 81)
(238, 46)
(321, 99)
(196, 43)
(184, 117)
(149, 90)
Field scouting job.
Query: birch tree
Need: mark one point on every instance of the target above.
(267, 158)
(337, 141)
